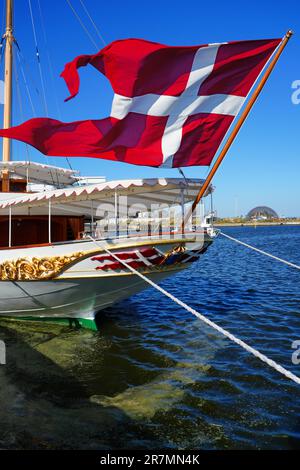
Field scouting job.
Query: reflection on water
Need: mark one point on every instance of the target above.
(154, 376)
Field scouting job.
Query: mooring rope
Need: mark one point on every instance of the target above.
(260, 251)
(201, 317)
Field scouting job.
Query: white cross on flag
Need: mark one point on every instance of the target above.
(172, 105)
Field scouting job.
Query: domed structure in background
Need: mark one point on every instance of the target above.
(262, 212)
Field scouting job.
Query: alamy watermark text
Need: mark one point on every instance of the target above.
(296, 354)
(296, 93)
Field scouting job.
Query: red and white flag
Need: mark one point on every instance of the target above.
(172, 105)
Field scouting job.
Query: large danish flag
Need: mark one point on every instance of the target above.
(172, 105)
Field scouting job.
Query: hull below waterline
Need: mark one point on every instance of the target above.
(71, 298)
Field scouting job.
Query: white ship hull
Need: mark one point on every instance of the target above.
(91, 282)
(72, 298)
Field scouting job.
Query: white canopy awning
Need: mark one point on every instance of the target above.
(39, 173)
(101, 197)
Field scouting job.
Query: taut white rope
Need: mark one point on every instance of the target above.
(213, 325)
(261, 251)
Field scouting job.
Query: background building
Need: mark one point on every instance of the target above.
(262, 212)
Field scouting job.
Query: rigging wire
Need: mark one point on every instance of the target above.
(93, 23)
(51, 69)
(42, 85)
(47, 48)
(19, 56)
(28, 69)
(38, 58)
(50, 65)
(19, 95)
(16, 76)
(82, 24)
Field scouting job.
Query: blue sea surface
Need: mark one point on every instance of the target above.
(154, 375)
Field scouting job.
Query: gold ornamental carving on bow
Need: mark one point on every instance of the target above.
(32, 269)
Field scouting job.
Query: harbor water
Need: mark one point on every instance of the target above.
(154, 376)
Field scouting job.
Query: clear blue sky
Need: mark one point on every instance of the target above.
(263, 165)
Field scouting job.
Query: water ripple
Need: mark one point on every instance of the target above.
(156, 377)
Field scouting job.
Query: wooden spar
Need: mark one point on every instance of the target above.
(8, 36)
(237, 127)
(8, 77)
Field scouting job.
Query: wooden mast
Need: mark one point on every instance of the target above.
(237, 127)
(8, 36)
